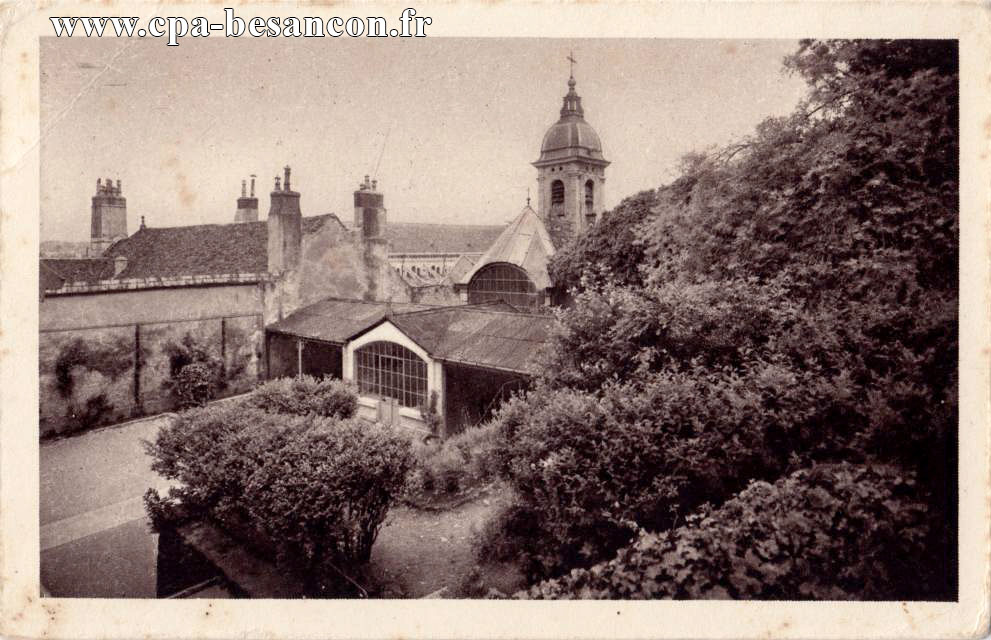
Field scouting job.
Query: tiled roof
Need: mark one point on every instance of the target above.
(524, 243)
(417, 237)
(214, 249)
(205, 249)
(53, 273)
(336, 320)
(484, 335)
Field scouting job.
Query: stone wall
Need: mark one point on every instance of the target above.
(441, 294)
(335, 264)
(95, 376)
(89, 345)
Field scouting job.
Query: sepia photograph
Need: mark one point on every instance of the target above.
(506, 369)
(496, 319)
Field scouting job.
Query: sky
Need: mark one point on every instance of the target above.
(448, 126)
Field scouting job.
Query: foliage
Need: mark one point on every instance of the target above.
(194, 385)
(431, 416)
(586, 465)
(309, 490)
(611, 251)
(463, 462)
(110, 360)
(832, 532)
(796, 304)
(325, 494)
(95, 411)
(195, 375)
(306, 395)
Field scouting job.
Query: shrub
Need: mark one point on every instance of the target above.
(307, 395)
(195, 375)
(458, 464)
(310, 491)
(835, 532)
(194, 385)
(428, 410)
(586, 465)
(324, 496)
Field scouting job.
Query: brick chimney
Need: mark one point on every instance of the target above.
(285, 228)
(370, 222)
(108, 221)
(369, 210)
(247, 206)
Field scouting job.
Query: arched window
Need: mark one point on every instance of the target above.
(589, 196)
(392, 370)
(506, 282)
(557, 192)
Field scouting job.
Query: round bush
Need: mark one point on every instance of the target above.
(307, 395)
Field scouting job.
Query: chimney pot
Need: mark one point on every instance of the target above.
(252, 185)
(118, 186)
(244, 188)
(375, 184)
(286, 169)
(278, 185)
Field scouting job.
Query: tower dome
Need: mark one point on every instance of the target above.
(570, 172)
(571, 137)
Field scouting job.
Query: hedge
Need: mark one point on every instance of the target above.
(832, 532)
(309, 491)
(306, 395)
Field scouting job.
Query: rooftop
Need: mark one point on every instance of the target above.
(204, 249)
(335, 320)
(491, 336)
(524, 243)
(420, 237)
(239, 248)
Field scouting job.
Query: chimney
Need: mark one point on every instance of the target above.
(370, 221)
(120, 263)
(369, 210)
(285, 228)
(108, 219)
(247, 206)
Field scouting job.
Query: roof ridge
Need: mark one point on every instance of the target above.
(228, 224)
(480, 306)
(445, 224)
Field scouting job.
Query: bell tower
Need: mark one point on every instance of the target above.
(108, 221)
(570, 171)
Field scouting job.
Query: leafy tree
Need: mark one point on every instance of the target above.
(806, 274)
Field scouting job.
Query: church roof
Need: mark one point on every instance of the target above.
(524, 243)
(419, 237)
(204, 249)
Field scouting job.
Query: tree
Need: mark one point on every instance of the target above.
(809, 269)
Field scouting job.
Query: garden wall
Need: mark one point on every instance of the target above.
(105, 358)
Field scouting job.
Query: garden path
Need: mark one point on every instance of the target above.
(419, 552)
